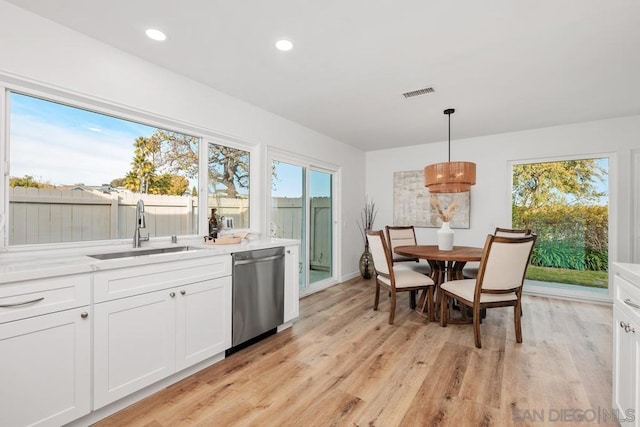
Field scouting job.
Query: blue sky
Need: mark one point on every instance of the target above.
(59, 144)
(289, 182)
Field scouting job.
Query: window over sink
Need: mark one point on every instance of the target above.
(75, 174)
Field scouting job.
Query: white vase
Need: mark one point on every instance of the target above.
(445, 237)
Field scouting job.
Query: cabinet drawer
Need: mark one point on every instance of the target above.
(627, 297)
(125, 282)
(20, 300)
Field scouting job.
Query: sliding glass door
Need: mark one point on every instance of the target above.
(320, 220)
(288, 208)
(302, 207)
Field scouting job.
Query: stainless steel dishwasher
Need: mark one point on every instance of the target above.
(258, 293)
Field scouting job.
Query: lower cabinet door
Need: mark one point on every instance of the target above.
(45, 369)
(203, 321)
(134, 343)
(626, 368)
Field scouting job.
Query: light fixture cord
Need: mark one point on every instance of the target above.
(449, 137)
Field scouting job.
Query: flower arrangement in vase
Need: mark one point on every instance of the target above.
(445, 233)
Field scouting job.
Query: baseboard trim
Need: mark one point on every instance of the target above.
(563, 294)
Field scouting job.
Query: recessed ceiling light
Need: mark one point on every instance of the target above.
(156, 35)
(284, 45)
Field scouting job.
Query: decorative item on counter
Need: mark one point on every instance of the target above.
(227, 222)
(228, 239)
(214, 224)
(445, 233)
(367, 217)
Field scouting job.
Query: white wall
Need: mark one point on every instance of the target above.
(37, 49)
(491, 196)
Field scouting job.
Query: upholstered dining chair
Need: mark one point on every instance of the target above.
(405, 235)
(499, 282)
(397, 280)
(471, 272)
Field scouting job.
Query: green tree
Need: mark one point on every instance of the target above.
(141, 176)
(566, 182)
(175, 152)
(228, 167)
(169, 184)
(28, 181)
(118, 182)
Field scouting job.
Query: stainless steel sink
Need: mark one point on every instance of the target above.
(142, 252)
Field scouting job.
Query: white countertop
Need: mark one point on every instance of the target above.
(30, 265)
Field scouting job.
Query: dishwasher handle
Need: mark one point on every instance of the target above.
(256, 260)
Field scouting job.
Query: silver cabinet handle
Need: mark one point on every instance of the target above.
(631, 303)
(256, 260)
(183, 292)
(172, 294)
(16, 304)
(84, 314)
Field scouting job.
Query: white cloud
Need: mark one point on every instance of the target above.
(61, 155)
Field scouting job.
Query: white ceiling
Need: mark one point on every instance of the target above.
(504, 65)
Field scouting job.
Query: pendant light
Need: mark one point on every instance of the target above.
(450, 177)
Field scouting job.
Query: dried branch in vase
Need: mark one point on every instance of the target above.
(445, 215)
(367, 217)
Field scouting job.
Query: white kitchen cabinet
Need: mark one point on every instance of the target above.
(626, 363)
(291, 284)
(141, 339)
(626, 339)
(203, 321)
(134, 344)
(45, 373)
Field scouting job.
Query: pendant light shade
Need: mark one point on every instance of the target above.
(450, 177)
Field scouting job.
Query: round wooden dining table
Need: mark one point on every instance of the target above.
(445, 265)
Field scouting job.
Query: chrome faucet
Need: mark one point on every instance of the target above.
(140, 223)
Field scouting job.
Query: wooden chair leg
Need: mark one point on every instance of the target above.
(476, 325)
(517, 310)
(443, 309)
(430, 304)
(375, 302)
(392, 312)
(412, 300)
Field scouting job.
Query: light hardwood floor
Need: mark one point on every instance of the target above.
(342, 364)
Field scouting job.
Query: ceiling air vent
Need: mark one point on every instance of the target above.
(418, 92)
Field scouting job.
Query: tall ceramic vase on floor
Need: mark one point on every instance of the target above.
(366, 264)
(445, 237)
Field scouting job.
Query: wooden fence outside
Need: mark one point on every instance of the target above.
(39, 215)
(287, 219)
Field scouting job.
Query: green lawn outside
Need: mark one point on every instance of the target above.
(593, 279)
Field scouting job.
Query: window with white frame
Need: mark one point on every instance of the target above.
(76, 175)
(566, 203)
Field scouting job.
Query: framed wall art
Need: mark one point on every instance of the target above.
(412, 203)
